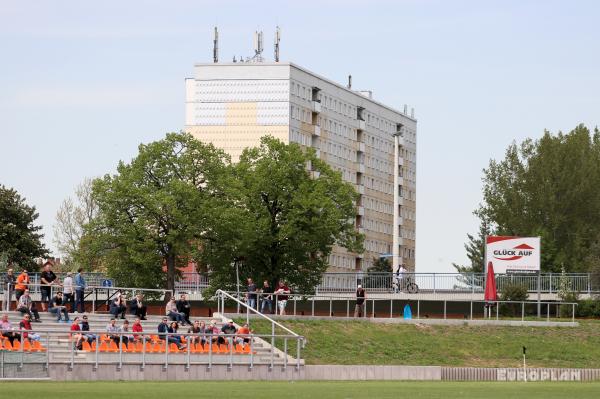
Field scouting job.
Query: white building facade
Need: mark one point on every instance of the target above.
(232, 105)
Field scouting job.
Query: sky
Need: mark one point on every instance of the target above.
(82, 84)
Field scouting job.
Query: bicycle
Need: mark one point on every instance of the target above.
(401, 284)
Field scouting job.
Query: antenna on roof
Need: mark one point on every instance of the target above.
(258, 45)
(349, 81)
(277, 39)
(216, 46)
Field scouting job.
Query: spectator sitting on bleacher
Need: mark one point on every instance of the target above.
(243, 334)
(138, 308)
(26, 306)
(198, 329)
(111, 329)
(25, 325)
(229, 329)
(76, 335)
(184, 308)
(125, 329)
(212, 331)
(85, 326)
(163, 329)
(137, 328)
(117, 306)
(173, 313)
(57, 307)
(7, 330)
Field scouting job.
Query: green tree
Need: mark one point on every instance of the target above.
(154, 212)
(71, 218)
(288, 218)
(548, 188)
(475, 248)
(20, 239)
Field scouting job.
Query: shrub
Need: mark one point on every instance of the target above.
(588, 308)
(512, 292)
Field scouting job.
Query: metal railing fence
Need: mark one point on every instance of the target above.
(383, 307)
(549, 283)
(97, 295)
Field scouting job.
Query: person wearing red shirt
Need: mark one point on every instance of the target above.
(137, 328)
(76, 334)
(25, 326)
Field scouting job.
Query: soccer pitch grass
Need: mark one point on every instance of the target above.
(301, 389)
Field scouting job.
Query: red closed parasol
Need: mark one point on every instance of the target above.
(490, 285)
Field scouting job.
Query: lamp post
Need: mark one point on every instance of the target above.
(396, 232)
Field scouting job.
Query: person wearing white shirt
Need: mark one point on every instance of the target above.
(68, 292)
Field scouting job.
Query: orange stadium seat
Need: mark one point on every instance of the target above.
(139, 347)
(37, 346)
(159, 347)
(149, 347)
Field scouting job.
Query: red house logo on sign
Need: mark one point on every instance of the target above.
(516, 253)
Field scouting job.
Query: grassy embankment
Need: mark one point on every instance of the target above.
(356, 342)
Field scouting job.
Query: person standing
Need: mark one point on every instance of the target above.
(80, 286)
(8, 283)
(251, 294)
(47, 279)
(68, 292)
(267, 299)
(21, 284)
(281, 296)
(359, 308)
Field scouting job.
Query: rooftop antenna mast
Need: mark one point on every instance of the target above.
(216, 46)
(258, 47)
(277, 39)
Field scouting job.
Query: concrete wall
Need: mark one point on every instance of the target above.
(156, 372)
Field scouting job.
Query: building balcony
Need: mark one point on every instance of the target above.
(316, 106)
(362, 125)
(317, 131)
(400, 220)
(361, 168)
(360, 189)
(360, 210)
(400, 181)
(400, 161)
(401, 141)
(360, 147)
(401, 201)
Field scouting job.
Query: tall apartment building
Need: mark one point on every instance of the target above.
(233, 104)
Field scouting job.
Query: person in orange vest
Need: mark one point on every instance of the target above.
(22, 284)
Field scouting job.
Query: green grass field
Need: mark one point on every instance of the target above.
(265, 390)
(352, 342)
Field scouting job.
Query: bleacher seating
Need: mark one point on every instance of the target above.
(60, 342)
